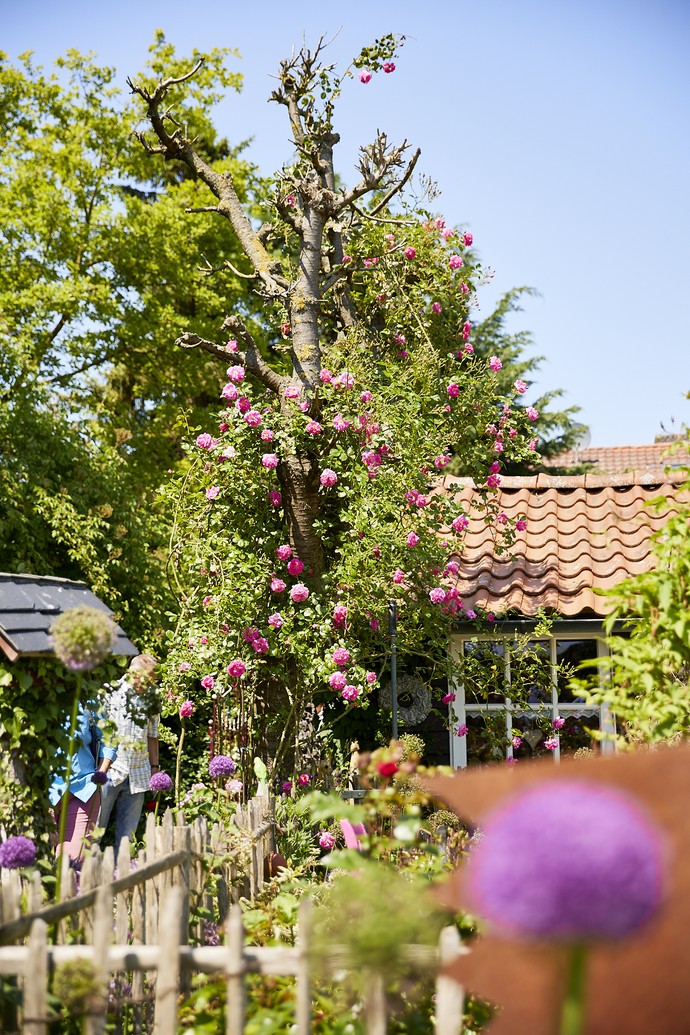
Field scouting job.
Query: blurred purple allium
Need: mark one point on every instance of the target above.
(16, 852)
(82, 637)
(568, 860)
(221, 765)
(160, 782)
(234, 787)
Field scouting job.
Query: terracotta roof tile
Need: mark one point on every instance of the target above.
(583, 533)
(624, 459)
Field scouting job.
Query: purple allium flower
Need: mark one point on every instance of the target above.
(568, 860)
(221, 765)
(160, 782)
(17, 851)
(82, 637)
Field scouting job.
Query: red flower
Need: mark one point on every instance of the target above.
(387, 768)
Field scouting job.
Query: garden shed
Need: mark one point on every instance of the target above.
(582, 534)
(29, 604)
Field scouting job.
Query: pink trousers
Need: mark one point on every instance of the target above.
(81, 819)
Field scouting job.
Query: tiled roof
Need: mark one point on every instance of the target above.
(583, 533)
(29, 604)
(622, 459)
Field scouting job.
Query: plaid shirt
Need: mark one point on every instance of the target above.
(123, 707)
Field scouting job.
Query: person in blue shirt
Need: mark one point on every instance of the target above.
(83, 799)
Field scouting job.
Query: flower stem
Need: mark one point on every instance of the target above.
(573, 1013)
(68, 777)
(178, 763)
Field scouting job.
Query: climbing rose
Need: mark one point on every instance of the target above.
(455, 262)
(337, 680)
(350, 693)
(326, 840)
(212, 492)
(568, 860)
(299, 593)
(467, 239)
(243, 404)
(269, 460)
(466, 330)
(495, 363)
(326, 376)
(412, 539)
(313, 428)
(453, 390)
(437, 595)
(339, 423)
(16, 852)
(277, 586)
(292, 392)
(236, 668)
(284, 553)
(365, 396)
(521, 524)
(229, 392)
(208, 682)
(186, 709)
(275, 499)
(303, 780)
(253, 418)
(339, 614)
(276, 620)
(410, 253)
(267, 435)
(388, 66)
(341, 656)
(236, 374)
(551, 743)
(184, 666)
(532, 413)
(328, 478)
(398, 576)
(364, 76)
(462, 730)
(286, 786)
(558, 723)
(436, 307)
(250, 633)
(520, 386)
(516, 743)
(295, 566)
(221, 765)
(371, 677)
(231, 346)
(260, 645)
(448, 698)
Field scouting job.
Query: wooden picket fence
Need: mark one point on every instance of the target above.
(131, 920)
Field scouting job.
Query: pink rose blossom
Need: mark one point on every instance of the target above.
(412, 539)
(208, 682)
(470, 614)
(462, 730)
(303, 780)
(328, 478)
(374, 625)
(260, 645)
(326, 376)
(502, 518)
(295, 566)
(495, 363)
(277, 586)
(285, 329)
(250, 633)
(437, 595)
(388, 66)
(326, 841)
(516, 742)
(447, 233)
(532, 444)
(495, 467)
(448, 698)
(532, 413)
(236, 374)
(229, 392)
(521, 524)
(467, 239)
(207, 600)
(231, 346)
(252, 418)
(493, 481)
(398, 576)
(498, 446)
(341, 656)
(292, 392)
(453, 390)
(558, 723)
(551, 743)
(275, 499)
(243, 404)
(466, 330)
(345, 380)
(350, 693)
(455, 262)
(371, 678)
(299, 593)
(267, 435)
(339, 423)
(337, 680)
(520, 386)
(237, 668)
(275, 620)
(436, 307)
(441, 461)
(269, 460)
(212, 492)
(205, 441)
(365, 397)
(184, 666)
(286, 787)
(186, 709)
(364, 76)
(284, 553)
(410, 253)
(313, 427)
(339, 615)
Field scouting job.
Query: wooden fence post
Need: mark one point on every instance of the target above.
(36, 982)
(375, 1006)
(450, 997)
(234, 970)
(102, 935)
(302, 972)
(167, 984)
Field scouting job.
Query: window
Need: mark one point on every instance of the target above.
(538, 675)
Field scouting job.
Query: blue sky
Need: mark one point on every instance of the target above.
(557, 131)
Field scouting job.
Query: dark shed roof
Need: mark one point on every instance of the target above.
(29, 604)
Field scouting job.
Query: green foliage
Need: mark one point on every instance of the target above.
(649, 662)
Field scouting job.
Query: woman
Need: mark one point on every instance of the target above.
(82, 800)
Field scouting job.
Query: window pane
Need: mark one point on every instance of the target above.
(574, 735)
(569, 654)
(483, 672)
(530, 673)
(486, 737)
